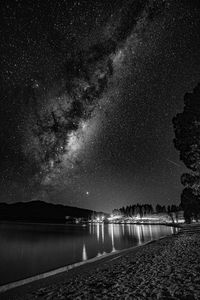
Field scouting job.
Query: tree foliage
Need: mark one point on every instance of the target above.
(134, 210)
(187, 142)
(143, 210)
(191, 204)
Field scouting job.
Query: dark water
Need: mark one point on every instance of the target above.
(30, 249)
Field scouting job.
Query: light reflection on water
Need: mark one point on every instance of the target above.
(29, 249)
(84, 253)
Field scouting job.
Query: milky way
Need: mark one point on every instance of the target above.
(58, 130)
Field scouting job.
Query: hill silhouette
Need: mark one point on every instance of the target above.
(40, 211)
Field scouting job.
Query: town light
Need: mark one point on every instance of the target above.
(112, 217)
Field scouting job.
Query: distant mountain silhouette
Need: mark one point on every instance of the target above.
(39, 211)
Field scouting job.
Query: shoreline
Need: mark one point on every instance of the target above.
(167, 268)
(68, 272)
(179, 225)
(66, 269)
(67, 281)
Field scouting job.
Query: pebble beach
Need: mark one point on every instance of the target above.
(165, 269)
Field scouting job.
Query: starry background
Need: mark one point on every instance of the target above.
(88, 92)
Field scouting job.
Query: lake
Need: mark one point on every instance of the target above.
(30, 249)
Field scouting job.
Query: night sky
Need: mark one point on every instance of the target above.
(88, 92)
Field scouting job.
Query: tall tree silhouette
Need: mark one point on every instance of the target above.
(187, 142)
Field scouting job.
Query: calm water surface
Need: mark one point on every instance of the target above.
(30, 249)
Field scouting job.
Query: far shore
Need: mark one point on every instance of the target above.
(87, 223)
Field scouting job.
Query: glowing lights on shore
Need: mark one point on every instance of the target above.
(114, 217)
(98, 219)
(148, 219)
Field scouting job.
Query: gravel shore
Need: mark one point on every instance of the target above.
(165, 269)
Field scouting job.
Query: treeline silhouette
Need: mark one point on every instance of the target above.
(39, 211)
(187, 142)
(145, 209)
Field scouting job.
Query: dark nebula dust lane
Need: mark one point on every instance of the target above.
(89, 90)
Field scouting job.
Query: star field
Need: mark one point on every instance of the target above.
(88, 92)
